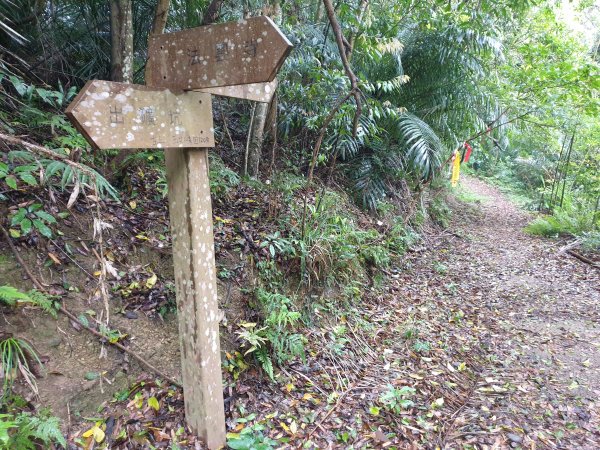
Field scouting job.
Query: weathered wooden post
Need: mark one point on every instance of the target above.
(236, 59)
(196, 289)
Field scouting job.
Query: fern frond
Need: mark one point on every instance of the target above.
(423, 146)
(265, 361)
(11, 295)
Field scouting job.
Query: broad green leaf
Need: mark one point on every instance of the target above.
(45, 216)
(42, 228)
(28, 178)
(11, 181)
(25, 226)
(18, 217)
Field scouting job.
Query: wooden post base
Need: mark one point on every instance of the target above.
(196, 289)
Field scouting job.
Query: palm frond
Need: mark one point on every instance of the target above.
(423, 146)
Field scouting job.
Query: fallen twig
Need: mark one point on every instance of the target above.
(74, 318)
(322, 421)
(583, 259)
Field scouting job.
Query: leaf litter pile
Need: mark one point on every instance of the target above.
(490, 339)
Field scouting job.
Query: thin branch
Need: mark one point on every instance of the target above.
(341, 43)
(43, 151)
(326, 123)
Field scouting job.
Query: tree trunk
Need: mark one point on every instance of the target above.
(257, 129)
(121, 64)
(121, 33)
(257, 133)
(160, 17)
(212, 13)
(271, 127)
(319, 13)
(160, 22)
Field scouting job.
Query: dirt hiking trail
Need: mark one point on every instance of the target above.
(497, 333)
(482, 337)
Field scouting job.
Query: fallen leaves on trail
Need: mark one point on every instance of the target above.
(484, 341)
(149, 415)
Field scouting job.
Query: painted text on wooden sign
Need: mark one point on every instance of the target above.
(119, 115)
(232, 53)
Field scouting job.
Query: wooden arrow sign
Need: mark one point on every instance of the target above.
(120, 115)
(248, 51)
(256, 92)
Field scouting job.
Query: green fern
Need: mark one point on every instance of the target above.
(262, 355)
(63, 175)
(12, 296)
(30, 431)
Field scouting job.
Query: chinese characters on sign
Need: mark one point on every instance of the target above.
(227, 54)
(117, 115)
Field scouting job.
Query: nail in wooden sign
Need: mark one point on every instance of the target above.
(249, 51)
(120, 115)
(257, 92)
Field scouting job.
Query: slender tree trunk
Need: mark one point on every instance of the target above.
(257, 133)
(160, 17)
(271, 126)
(160, 22)
(566, 171)
(596, 212)
(121, 64)
(555, 181)
(257, 130)
(212, 13)
(319, 13)
(121, 33)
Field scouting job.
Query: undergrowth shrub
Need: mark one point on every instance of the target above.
(277, 338)
(439, 212)
(331, 248)
(571, 219)
(25, 431)
(222, 178)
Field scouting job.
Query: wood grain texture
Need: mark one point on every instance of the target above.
(249, 51)
(196, 291)
(120, 115)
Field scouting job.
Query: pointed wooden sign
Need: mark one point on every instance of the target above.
(256, 92)
(249, 51)
(120, 115)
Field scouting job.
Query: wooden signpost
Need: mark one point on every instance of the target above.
(237, 59)
(120, 115)
(256, 92)
(233, 53)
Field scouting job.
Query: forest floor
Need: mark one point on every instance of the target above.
(497, 333)
(480, 337)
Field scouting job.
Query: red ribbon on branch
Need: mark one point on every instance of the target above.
(468, 151)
